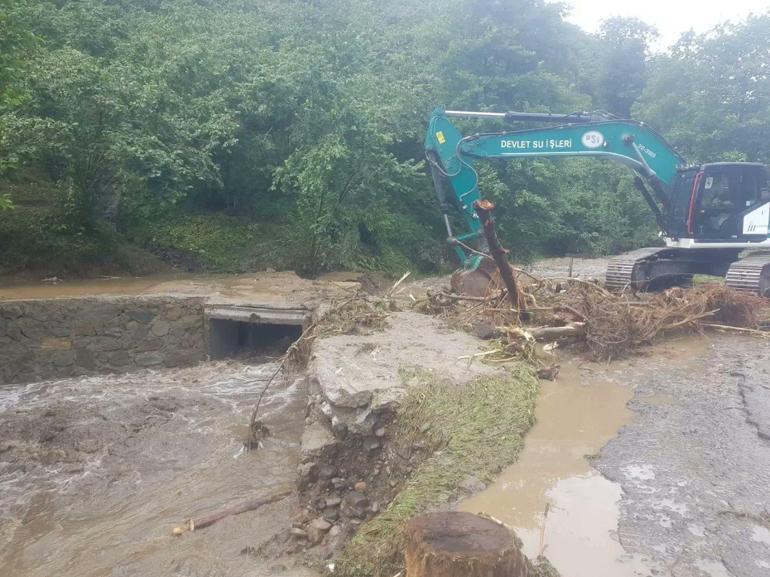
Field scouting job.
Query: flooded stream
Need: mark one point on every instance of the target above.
(95, 472)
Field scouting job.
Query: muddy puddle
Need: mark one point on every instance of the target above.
(554, 500)
(261, 286)
(557, 504)
(95, 472)
(88, 287)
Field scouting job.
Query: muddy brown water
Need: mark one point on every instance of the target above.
(95, 472)
(553, 499)
(261, 287)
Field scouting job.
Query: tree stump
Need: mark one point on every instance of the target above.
(454, 544)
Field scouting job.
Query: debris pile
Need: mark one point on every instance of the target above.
(608, 325)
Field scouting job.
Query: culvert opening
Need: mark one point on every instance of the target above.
(230, 338)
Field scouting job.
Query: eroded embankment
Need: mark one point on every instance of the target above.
(400, 422)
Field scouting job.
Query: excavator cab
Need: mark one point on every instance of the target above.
(729, 202)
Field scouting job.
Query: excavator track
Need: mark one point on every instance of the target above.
(626, 271)
(751, 274)
(658, 268)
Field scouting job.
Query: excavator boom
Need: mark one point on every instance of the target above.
(676, 199)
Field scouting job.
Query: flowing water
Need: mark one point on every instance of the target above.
(95, 472)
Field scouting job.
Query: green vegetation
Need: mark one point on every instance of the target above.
(243, 134)
(475, 430)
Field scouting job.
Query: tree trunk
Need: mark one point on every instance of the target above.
(453, 544)
(484, 210)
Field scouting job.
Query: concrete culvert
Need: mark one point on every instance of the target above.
(239, 339)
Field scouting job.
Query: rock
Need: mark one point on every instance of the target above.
(174, 313)
(334, 531)
(326, 472)
(86, 359)
(372, 444)
(339, 483)
(339, 428)
(354, 504)
(56, 344)
(317, 529)
(387, 399)
(85, 329)
(148, 359)
(306, 470)
(298, 533)
(360, 487)
(374, 507)
(315, 438)
(485, 331)
(119, 359)
(160, 328)
(330, 513)
(380, 432)
(332, 501)
(548, 373)
(146, 345)
(320, 524)
(141, 316)
(63, 358)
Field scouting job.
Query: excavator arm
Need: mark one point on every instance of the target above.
(452, 157)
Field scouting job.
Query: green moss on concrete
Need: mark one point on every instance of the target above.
(475, 429)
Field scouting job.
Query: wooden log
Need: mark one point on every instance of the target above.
(484, 210)
(553, 333)
(250, 505)
(454, 544)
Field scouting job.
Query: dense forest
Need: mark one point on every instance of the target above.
(238, 135)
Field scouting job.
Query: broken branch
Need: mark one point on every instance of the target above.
(251, 505)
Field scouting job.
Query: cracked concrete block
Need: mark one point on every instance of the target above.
(315, 438)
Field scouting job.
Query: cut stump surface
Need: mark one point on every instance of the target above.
(454, 544)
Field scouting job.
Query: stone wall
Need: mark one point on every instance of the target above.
(46, 339)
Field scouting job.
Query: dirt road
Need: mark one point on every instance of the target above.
(694, 463)
(681, 489)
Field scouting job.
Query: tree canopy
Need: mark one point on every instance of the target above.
(288, 133)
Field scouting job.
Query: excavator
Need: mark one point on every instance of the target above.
(715, 218)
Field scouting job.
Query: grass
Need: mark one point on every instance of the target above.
(218, 242)
(475, 429)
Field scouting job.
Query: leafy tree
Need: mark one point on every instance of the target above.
(623, 73)
(293, 127)
(711, 95)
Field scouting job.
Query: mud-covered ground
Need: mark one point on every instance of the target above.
(95, 472)
(585, 268)
(694, 463)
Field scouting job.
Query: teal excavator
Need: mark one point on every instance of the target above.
(715, 218)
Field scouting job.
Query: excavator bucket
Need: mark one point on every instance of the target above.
(476, 282)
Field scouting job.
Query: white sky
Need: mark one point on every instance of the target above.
(670, 17)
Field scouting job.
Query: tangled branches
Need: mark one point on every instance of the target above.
(608, 325)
